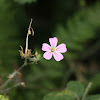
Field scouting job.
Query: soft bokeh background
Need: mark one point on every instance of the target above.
(74, 22)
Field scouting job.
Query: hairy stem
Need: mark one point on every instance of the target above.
(87, 90)
(8, 89)
(13, 75)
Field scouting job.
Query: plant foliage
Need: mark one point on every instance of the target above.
(47, 76)
(79, 30)
(75, 90)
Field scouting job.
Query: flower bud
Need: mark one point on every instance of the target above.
(23, 84)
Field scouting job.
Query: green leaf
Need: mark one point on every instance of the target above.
(57, 96)
(93, 97)
(25, 1)
(3, 98)
(69, 93)
(76, 87)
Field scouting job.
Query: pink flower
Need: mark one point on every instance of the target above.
(53, 50)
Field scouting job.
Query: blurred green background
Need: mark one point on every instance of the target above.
(74, 22)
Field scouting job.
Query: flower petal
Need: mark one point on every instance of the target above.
(45, 47)
(47, 55)
(61, 48)
(58, 56)
(53, 41)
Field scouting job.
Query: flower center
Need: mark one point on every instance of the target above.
(53, 49)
